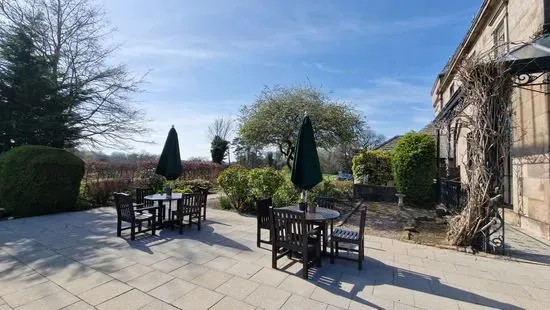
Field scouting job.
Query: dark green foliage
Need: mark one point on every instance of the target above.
(286, 194)
(264, 182)
(225, 203)
(234, 182)
(32, 110)
(218, 149)
(375, 164)
(413, 165)
(270, 160)
(37, 180)
(246, 154)
(149, 179)
(195, 185)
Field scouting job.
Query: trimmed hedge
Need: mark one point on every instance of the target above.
(376, 164)
(414, 168)
(36, 180)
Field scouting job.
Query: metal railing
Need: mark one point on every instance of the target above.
(452, 195)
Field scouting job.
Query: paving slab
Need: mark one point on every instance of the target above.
(104, 292)
(197, 299)
(133, 299)
(211, 279)
(268, 297)
(150, 280)
(229, 303)
(238, 288)
(172, 290)
(269, 276)
(296, 302)
(51, 302)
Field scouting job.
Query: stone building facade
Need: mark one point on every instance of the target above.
(500, 26)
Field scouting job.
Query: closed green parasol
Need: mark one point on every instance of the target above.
(169, 164)
(306, 170)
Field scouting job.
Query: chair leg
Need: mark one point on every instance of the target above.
(258, 233)
(332, 251)
(118, 228)
(318, 254)
(180, 221)
(204, 213)
(133, 232)
(336, 245)
(274, 258)
(305, 263)
(153, 226)
(139, 227)
(361, 254)
(199, 222)
(325, 235)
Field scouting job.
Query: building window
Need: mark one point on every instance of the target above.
(499, 39)
(451, 90)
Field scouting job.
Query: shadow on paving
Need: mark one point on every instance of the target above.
(520, 245)
(392, 280)
(71, 246)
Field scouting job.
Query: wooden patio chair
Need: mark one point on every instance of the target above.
(262, 219)
(127, 212)
(190, 205)
(291, 236)
(205, 199)
(324, 202)
(350, 237)
(140, 196)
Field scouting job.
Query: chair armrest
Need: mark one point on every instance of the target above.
(149, 208)
(137, 205)
(314, 232)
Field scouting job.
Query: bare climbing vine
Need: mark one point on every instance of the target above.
(486, 112)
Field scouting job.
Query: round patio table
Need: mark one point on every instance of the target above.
(160, 199)
(320, 215)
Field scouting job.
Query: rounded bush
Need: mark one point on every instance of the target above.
(264, 182)
(414, 168)
(374, 164)
(36, 180)
(234, 182)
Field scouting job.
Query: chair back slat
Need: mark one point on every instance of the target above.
(124, 207)
(362, 222)
(141, 193)
(325, 202)
(262, 211)
(289, 229)
(191, 203)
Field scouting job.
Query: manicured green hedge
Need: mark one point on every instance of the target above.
(36, 180)
(414, 168)
(375, 164)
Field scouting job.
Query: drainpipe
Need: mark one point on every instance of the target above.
(546, 13)
(438, 173)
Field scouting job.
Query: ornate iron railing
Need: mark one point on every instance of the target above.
(453, 196)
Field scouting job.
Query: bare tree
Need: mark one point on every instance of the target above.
(71, 33)
(221, 127)
(370, 139)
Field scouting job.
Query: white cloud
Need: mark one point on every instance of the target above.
(322, 67)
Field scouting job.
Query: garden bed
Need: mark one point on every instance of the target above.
(387, 220)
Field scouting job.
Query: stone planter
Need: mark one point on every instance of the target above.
(400, 202)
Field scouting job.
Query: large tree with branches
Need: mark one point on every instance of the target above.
(71, 35)
(275, 117)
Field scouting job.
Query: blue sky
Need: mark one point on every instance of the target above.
(208, 58)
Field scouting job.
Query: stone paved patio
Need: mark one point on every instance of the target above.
(75, 261)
